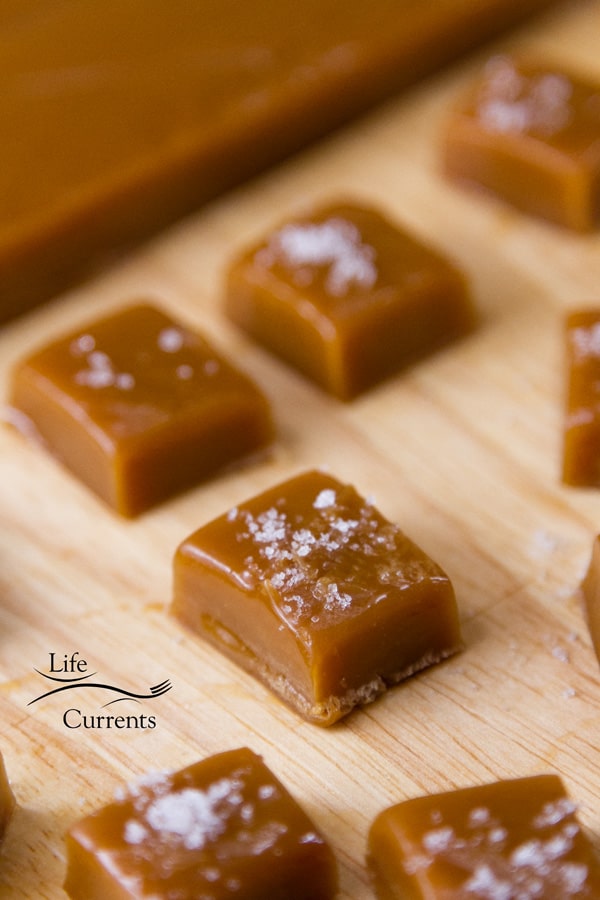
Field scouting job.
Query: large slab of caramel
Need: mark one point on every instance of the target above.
(120, 115)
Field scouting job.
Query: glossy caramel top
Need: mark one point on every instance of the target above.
(516, 98)
(501, 841)
(346, 261)
(223, 827)
(133, 372)
(314, 550)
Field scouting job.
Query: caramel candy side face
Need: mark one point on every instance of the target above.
(501, 841)
(530, 134)
(347, 298)
(139, 407)
(7, 799)
(590, 588)
(224, 827)
(581, 443)
(308, 587)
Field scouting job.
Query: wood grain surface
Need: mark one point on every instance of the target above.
(463, 451)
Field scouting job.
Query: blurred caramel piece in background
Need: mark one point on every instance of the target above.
(347, 297)
(590, 588)
(510, 839)
(221, 828)
(7, 799)
(120, 115)
(581, 444)
(530, 134)
(139, 407)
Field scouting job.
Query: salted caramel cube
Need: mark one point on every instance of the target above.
(502, 841)
(590, 589)
(221, 828)
(581, 444)
(7, 799)
(138, 407)
(530, 134)
(308, 587)
(347, 297)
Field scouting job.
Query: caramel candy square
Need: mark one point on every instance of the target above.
(501, 841)
(7, 799)
(530, 134)
(310, 589)
(581, 447)
(224, 827)
(347, 297)
(590, 588)
(138, 407)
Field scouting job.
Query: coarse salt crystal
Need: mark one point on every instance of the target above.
(325, 498)
(439, 839)
(170, 340)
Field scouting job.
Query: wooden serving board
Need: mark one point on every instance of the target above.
(463, 451)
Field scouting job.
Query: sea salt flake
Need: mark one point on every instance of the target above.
(496, 835)
(267, 791)
(135, 832)
(560, 653)
(170, 340)
(573, 876)
(531, 853)
(555, 812)
(95, 378)
(83, 344)
(585, 341)
(211, 367)
(99, 360)
(310, 837)
(485, 884)
(334, 243)
(558, 846)
(125, 381)
(480, 815)
(184, 372)
(324, 499)
(270, 526)
(415, 863)
(191, 816)
(336, 599)
(303, 541)
(439, 839)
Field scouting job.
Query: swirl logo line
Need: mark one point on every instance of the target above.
(70, 684)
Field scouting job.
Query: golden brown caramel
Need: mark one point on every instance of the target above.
(531, 135)
(347, 297)
(222, 828)
(7, 799)
(309, 588)
(590, 589)
(119, 115)
(501, 841)
(138, 407)
(581, 450)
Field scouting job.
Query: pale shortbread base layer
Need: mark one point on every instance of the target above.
(334, 707)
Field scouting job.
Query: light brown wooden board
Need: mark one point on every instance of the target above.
(463, 452)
